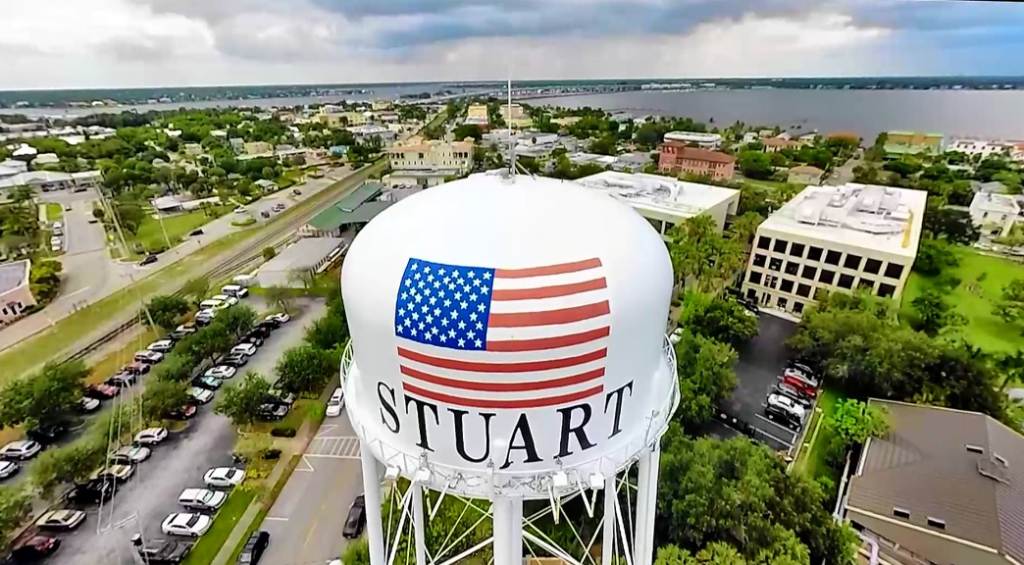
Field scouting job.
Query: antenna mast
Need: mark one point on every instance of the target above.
(511, 143)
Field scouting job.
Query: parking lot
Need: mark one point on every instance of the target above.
(177, 463)
(761, 361)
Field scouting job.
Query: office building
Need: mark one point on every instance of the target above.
(980, 147)
(899, 143)
(418, 154)
(699, 139)
(664, 201)
(994, 213)
(677, 158)
(835, 239)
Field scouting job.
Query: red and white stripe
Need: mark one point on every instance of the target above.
(547, 342)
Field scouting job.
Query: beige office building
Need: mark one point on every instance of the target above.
(835, 239)
(417, 154)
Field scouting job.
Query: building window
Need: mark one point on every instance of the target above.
(809, 272)
(872, 266)
(759, 260)
(936, 523)
(780, 245)
(796, 250)
(751, 294)
(827, 277)
(866, 284)
(814, 253)
(803, 290)
(782, 303)
(845, 281)
(774, 264)
(893, 270)
(754, 278)
(787, 285)
(832, 257)
(901, 513)
(792, 268)
(852, 262)
(886, 290)
(798, 307)
(771, 281)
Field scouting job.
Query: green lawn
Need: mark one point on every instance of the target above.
(811, 461)
(209, 545)
(975, 298)
(151, 235)
(54, 212)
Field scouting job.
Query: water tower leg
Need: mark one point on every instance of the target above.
(646, 505)
(418, 526)
(517, 531)
(371, 493)
(502, 511)
(608, 539)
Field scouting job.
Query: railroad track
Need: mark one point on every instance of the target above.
(251, 251)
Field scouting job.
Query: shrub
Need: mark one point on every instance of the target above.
(272, 454)
(283, 431)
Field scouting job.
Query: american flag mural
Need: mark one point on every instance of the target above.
(492, 338)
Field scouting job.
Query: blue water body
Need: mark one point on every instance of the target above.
(955, 113)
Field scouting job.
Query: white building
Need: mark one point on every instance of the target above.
(11, 167)
(980, 147)
(665, 201)
(994, 213)
(366, 132)
(418, 154)
(702, 140)
(835, 239)
(47, 181)
(294, 266)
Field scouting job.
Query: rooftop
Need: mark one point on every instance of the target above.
(13, 275)
(994, 202)
(963, 468)
(305, 253)
(807, 170)
(659, 194)
(693, 136)
(862, 215)
(356, 208)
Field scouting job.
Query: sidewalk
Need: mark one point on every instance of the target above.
(294, 447)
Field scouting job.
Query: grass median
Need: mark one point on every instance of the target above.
(227, 518)
(813, 459)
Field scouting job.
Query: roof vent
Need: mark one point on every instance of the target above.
(975, 448)
(991, 469)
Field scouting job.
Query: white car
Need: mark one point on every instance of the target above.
(151, 436)
(200, 395)
(186, 524)
(244, 348)
(280, 318)
(229, 300)
(224, 477)
(162, 346)
(87, 404)
(8, 468)
(119, 472)
(147, 356)
(211, 304)
(240, 210)
(132, 454)
(786, 409)
(336, 403)
(60, 520)
(21, 450)
(201, 499)
(205, 315)
(221, 372)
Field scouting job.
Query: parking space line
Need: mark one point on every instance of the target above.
(781, 427)
(325, 428)
(275, 518)
(308, 464)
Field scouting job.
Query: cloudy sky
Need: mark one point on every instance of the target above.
(120, 43)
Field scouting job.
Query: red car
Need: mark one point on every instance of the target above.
(801, 386)
(33, 548)
(102, 391)
(184, 413)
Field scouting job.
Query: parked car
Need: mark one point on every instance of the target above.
(279, 207)
(244, 348)
(265, 326)
(208, 383)
(790, 391)
(183, 413)
(356, 518)
(224, 477)
(802, 372)
(118, 472)
(201, 499)
(786, 410)
(164, 552)
(88, 405)
(102, 391)
(147, 356)
(234, 360)
(121, 380)
(33, 548)
(254, 547)
(220, 372)
(240, 210)
(62, 520)
(277, 396)
(149, 260)
(271, 412)
(92, 492)
(161, 346)
(205, 316)
(186, 524)
(183, 331)
(131, 454)
(226, 298)
(280, 318)
(8, 469)
(261, 331)
(801, 385)
(336, 403)
(253, 338)
(46, 433)
(136, 368)
(238, 291)
(151, 436)
(200, 395)
(211, 304)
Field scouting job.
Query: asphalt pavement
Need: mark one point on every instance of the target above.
(176, 464)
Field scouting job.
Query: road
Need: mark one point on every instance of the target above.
(176, 464)
(844, 173)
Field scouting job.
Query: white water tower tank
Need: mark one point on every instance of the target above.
(508, 337)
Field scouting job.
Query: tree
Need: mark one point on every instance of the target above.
(706, 377)
(1011, 306)
(306, 368)
(935, 256)
(933, 313)
(242, 402)
(468, 130)
(166, 310)
(755, 165)
(162, 398)
(44, 280)
(67, 464)
(130, 217)
(269, 253)
(197, 288)
(699, 252)
(330, 331)
(176, 367)
(237, 320)
(718, 318)
(955, 226)
(279, 296)
(744, 227)
(48, 397)
(206, 343)
(853, 422)
(15, 506)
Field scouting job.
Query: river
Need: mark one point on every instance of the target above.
(985, 114)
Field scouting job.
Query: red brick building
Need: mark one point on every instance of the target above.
(676, 158)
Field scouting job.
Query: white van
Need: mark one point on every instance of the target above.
(210, 304)
(235, 290)
(336, 403)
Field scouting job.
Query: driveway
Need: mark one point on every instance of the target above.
(761, 361)
(178, 463)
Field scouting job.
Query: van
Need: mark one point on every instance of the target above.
(336, 403)
(210, 304)
(235, 290)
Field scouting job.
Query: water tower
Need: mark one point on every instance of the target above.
(508, 344)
